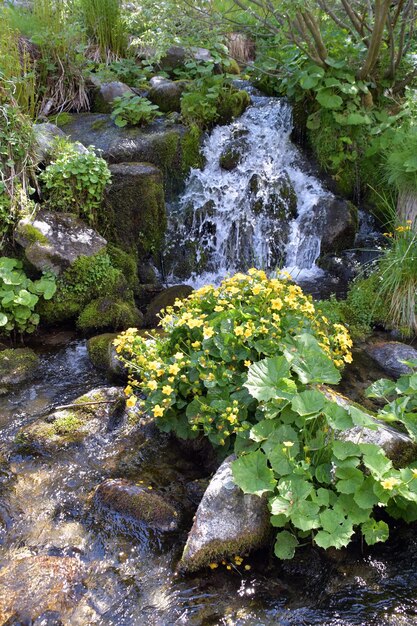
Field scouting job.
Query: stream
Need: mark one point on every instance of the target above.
(129, 575)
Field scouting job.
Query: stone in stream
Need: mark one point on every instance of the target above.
(103, 355)
(73, 425)
(52, 241)
(227, 522)
(166, 298)
(135, 503)
(166, 93)
(389, 354)
(45, 136)
(340, 223)
(37, 586)
(16, 366)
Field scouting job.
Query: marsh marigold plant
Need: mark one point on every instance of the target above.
(193, 376)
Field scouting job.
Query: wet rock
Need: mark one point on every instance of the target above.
(171, 147)
(234, 150)
(166, 298)
(108, 313)
(137, 503)
(17, 366)
(398, 446)
(52, 241)
(340, 223)
(87, 415)
(39, 585)
(103, 355)
(166, 94)
(227, 522)
(135, 207)
(105, 94)
(45, 136)
(389, 354)
(177, 56)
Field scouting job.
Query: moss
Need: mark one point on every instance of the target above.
(105, 313)
(190, 150)
(67, 424)
(232, 103)
(31, 234)
(98, 349)
(62, 119)
(17, 365)
(232, 67)
(99, 124)
(127, 263)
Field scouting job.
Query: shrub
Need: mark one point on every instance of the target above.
(131, 110)
(194, 376)
(19, 296)
(75, 181)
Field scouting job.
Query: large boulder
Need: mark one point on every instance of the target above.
(39, 587)
(45, 136)
(166, 298)
(171, 147)
(227, 522)
(390, 354)
(340, 223)
(16, 366)
(105, 93)
(136, 503)
(135, 207)
(166, 94)
(53, 241)
(87, 415)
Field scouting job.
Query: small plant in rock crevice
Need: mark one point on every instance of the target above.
(131, 110)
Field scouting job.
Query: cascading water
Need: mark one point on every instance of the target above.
(253, 203)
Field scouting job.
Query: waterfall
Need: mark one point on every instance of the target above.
(254, 203)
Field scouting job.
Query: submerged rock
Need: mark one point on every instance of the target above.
(227, 522)
(16, 366)
(137, 503)
(38, 586)
(103, 355)
(74, 424)
(52, 241)
(166, 298)
(389, 354)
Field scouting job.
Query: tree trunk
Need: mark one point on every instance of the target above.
(407, 207)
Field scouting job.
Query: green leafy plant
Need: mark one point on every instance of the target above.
(131, 110)
(19, 296)
(75, 181)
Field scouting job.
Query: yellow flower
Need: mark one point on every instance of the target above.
(131, 401)
(158, 411)
(213, 565)
(208, 332)
(195, 323)
(248, 332)
(152, 384)
(390, 483)
(256, 289)
(218, 308)
(276, 303)
(288, 444)
(174, 369)
(348, 358)
(239, 331)
(414, 473)
(167, 390)
(196, 345)
(178, 356)
(128, 390)
(247, 567)
(248, 363)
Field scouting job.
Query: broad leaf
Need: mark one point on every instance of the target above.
(374, 531)
(264, 377)
(285, 545)
(252, 474)
(328, 99)
(308, 402)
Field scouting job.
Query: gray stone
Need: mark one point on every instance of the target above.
(227, 522)
(166, 94)
(389, 354)
(17, 366)
(85, 416)
(340, 223)
(45, 136)
(53, 241)
(166, 298)
(136, 503)
(106, 93)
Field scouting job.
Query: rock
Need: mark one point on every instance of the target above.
(103, 355)
(52, 241)
(73, 425)
(389, 354)
(177, 56)
(166, 298)
(227, 522)
(136, 503)
(166, 94)
(34, 586)
(173, 148)
(110, 314)
(135, 207)
(45, 136)
(17, 365)
(340, 223)
(105, 94)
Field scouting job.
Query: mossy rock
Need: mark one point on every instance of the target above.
(17, 366)
(166, 94)
(104, 357)
(106, 313)
(73, 425)
(127, 263)
(232, 104)
(136, 503)
(164, 299)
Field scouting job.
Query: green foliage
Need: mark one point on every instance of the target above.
(131, 110)
(19, 296)
(105, 27)
(401, 160)
(212, 99)
(194, 376)
(75, 181)
(127, 71)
